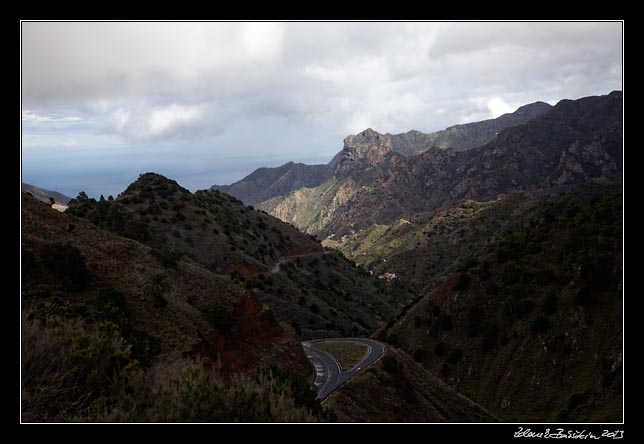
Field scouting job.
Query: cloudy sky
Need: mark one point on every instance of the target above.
(207, 103)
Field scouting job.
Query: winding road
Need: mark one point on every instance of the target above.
(329, 375)
(276, 267)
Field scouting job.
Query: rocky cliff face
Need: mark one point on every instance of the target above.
(362, 151)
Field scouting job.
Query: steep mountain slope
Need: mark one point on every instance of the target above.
(526, 319)
(573, 142)
(359, 153)
(466, 136)
(116, 271)
(44, 195)
(362, 151)
(319, 293)
(397, 389)
(265, 183)
(111, 333)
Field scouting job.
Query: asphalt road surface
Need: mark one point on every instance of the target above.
(329, 375)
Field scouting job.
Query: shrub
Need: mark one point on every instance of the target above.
(511, 274)
(67, 262)
(462, 282)
(559, 344)
(441, 349)
(574, 401)
(583, 297)
(392, 339)
(72, 370)
(484, 273)
(474, 316)
(519, 291)
(136, 230)
(419, 355)
(490, 330)
(187, 391)
(220, 318)
(155, 287)
(454, 356)
(167, 258)
(550, 304)
(391, 365)
(524, 307)
(597, 273)
(540, 325)
(446, 322)
(28, 263)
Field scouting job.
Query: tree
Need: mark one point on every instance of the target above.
(155, 288)
(66, 262)
(462, 282)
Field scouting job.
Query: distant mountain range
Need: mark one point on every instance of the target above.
(358, 152)
(574, 141)
(44, 195)
(265, 183)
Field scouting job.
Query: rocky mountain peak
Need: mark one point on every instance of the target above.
(532, 109)
(362, 151)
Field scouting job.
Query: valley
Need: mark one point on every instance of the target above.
(479, 267)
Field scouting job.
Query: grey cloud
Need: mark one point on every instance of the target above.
(315, 82)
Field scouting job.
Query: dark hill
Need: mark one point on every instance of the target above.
(265, 183)
(116, 271)
(111, 334)
(319, 293)
(523, 305)
(397, 389)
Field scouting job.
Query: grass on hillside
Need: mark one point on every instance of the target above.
(348, 354)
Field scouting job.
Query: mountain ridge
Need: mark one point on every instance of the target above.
(572, 142)
(45, 195)
(466, 136)
(358, 153)
(320, 294)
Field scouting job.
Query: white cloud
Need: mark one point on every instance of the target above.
(120, 119)
(262, 40)
(145, 122)
(498, 107)
(171, 118)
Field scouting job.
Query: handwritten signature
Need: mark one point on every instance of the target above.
(568, 434)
